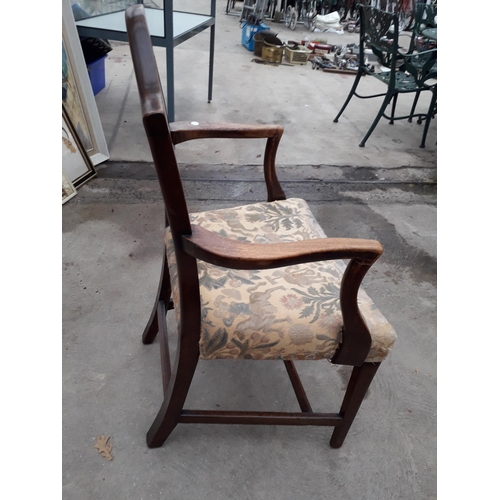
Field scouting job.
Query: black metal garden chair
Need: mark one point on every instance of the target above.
(424, 37)
(424, 31)
(403, 73)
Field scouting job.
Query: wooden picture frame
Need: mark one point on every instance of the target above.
(75, 160)
(78, 97)
(68, 190)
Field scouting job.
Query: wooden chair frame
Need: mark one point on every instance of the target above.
(193, 242)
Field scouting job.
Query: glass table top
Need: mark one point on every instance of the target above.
(183, 22)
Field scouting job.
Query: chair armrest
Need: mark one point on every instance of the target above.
(186, 131)
(218, 250)
(427, 53)
(422, 65)
(225, 252)
(423, 58)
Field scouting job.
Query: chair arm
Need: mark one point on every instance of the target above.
(225, 252)
(422, 53)
(422, 65)
(218, 250)
(186, 131)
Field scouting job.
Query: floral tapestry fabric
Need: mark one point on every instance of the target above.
(286, 313)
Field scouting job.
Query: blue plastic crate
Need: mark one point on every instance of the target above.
(248, 31)
(97, 74)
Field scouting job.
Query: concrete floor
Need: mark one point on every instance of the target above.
(112, 244)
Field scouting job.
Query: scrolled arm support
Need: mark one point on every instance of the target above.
(356, 340)
(186, 131)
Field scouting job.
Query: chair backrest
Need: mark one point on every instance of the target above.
(379, 31)
(423, 63)
(154, 117)
(425, 16)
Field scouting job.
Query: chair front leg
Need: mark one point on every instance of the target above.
(359, 383)
(393, 112)
(387, 100)
(349, 97)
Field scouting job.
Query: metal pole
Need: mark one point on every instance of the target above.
(169, 39)
(212, 45)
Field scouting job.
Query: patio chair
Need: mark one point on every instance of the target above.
(255, 282)
(425, 24)
(423, 65)
(403, 73)
(424, 38)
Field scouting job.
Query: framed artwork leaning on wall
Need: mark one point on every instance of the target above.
(68, 190)
(75, 160)
(77, 95)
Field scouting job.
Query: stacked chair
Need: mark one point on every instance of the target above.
(410, 72)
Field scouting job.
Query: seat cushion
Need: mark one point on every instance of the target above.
(285, 313)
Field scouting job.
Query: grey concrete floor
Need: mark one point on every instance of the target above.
(112, 245)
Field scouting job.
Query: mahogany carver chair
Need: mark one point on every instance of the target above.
(254, 282)
(402, 73)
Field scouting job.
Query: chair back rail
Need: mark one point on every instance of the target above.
(425, 17)
(155, 122)
(380, 33)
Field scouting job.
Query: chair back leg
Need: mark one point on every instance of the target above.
(176, 393)
(349, 97)
(393, 112)
(164, 292)
(414, 105)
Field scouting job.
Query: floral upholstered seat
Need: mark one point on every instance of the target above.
(285, 313)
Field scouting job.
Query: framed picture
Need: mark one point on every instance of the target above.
(75, 160)
(68, 190)
(77, 96)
